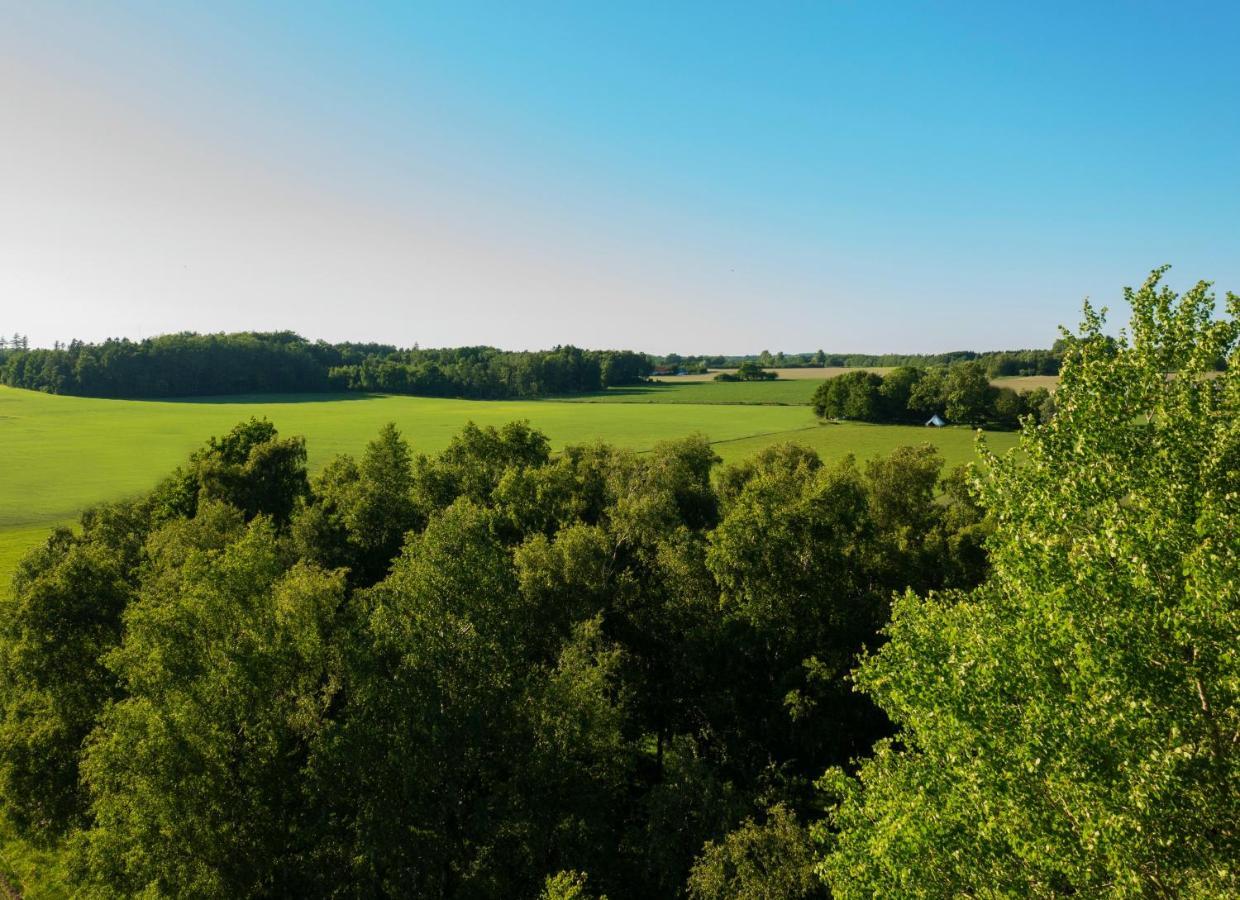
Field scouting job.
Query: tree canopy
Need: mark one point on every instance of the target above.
(1071, 726)
(492, 672)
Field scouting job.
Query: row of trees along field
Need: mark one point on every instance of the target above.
(996, 363)
(188, 364)
(499, 672)
(487, 373)
(181, 365)
(962, 393)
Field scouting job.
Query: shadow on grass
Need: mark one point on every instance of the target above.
(268, 398)
(637, 390)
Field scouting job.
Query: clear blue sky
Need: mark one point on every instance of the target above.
(664, 176)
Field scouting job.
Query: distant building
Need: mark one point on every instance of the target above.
(935, 422)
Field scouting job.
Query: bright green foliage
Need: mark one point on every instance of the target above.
(568, 886)
(1072, 726)
(773, 860)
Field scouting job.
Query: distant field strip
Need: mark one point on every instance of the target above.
(812, 373)
(1027, 382)
(792, 391)
(799, 392)
(59, 455)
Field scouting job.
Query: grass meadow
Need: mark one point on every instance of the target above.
(59, 455)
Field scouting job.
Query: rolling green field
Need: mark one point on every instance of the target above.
(59, 455)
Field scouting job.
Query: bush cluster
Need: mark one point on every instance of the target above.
(962, 394)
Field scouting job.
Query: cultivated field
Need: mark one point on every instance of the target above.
(808, 373)
(1027, 382)
(59, 455)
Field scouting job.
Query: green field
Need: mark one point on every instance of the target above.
(798, 392)
(59, 455)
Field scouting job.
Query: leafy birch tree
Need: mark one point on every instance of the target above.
(1072, 725)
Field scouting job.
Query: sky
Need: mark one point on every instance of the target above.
(689, 177)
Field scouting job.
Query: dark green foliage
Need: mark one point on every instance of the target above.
(189, 365)
(179, 365)
(967, 395)
(962, 393)
(853, 395)
(65, 614)
(748, 371)
(253, 469)
(484, 673)
(359, 514)
(228, 667)
(488, 374)
(997, 363)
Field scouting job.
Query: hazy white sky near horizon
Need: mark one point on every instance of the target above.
(698, 181)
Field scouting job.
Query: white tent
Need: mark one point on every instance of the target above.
(935, 422)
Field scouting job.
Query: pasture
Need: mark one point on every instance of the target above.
(59, 455)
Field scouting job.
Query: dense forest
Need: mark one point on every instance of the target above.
(188, 365)
(490, 374)
(455, 676)
(962, 393)
(502, 672)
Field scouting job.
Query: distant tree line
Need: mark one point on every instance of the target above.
(487, 373)
(961, 393)
(996, 363)
(189, 364)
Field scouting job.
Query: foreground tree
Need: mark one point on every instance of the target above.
(64, 615)
(1072, 726)
(229, 672)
